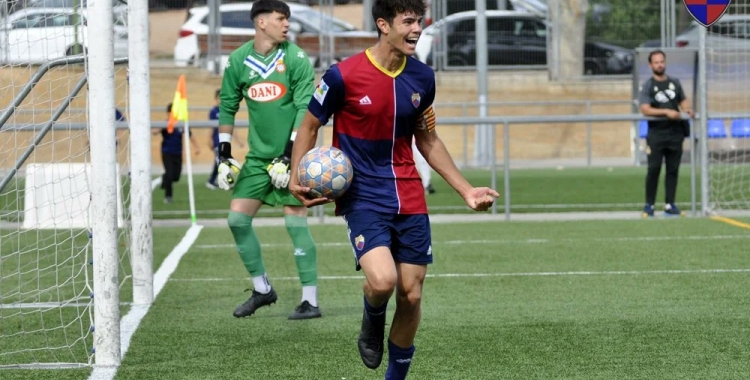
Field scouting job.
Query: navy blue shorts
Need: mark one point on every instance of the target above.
(407, 236)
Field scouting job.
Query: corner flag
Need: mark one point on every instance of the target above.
(179, 105)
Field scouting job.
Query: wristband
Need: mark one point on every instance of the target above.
(225, 137)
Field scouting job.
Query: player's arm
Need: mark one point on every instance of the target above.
(302, 82)
(436, 154)
(327, 98)
(302, 85)
(229, 103)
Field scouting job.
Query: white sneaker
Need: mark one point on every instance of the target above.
(211, 186)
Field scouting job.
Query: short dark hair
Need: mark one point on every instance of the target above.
(655, 52)
(269, 6)
(389, 9)
(218, 92)
(169, 107)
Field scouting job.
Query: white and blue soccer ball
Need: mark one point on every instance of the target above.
(327, 171)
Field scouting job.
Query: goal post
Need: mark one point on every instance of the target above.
(726, 48)
(63, 282)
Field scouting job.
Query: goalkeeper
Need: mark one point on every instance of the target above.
(276, 80)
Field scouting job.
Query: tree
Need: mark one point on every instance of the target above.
(627, 23)
(569, 32)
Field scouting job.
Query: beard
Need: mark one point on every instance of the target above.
(659, 72)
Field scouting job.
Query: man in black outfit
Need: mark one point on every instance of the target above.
(662, 96)
(171, 156)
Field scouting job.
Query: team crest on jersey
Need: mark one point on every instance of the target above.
(415, 99)
(359, 242)
(280, 66)
(266, 91)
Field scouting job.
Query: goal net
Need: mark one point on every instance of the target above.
(46, 260)
(728, 101)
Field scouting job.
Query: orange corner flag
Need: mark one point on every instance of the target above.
(179, 105)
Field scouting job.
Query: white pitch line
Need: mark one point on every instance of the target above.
(511, 241)
(505, 274)
(129, 323)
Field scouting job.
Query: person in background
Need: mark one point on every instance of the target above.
(662, 96)
(275, 80)
(171, 156)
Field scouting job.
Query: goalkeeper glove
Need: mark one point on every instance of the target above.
(279, 171)
(228, 169)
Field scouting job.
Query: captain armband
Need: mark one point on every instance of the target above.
(427, 120)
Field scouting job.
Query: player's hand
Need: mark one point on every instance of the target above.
(228, 168)
(305, 195)
(481, 198)
(278, 169)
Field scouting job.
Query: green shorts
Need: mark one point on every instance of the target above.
(255, 183)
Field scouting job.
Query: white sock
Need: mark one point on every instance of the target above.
(310, 294)
(261, 284)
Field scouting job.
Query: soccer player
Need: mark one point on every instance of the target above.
(171, 156)
(381, 99)
(276, 80)
(213, 142)
(662, 96)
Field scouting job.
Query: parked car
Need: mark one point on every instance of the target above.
(513, 38)
(37, 35)
(731, 32)
(237, 28)
(119, 7)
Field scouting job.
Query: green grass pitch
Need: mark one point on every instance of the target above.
(640, 299)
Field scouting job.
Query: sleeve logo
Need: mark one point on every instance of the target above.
(320, 92)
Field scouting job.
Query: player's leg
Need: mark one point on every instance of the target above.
(305, 257)
(655, 154)
(672, 159)
(405, 319)
(253, 184)
(425, 172)
(370, 235)
(412, 253)
(169, 173)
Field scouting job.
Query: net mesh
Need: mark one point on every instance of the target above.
(727, 69)
(46, 309)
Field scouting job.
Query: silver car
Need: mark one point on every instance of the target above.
(730, 32)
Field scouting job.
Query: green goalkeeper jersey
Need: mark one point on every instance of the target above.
(276, 88)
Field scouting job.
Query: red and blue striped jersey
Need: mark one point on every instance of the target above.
(375, 112)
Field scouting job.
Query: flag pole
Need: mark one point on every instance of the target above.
(180, 113)
(188, 159)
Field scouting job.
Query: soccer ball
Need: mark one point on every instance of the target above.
(326, 171)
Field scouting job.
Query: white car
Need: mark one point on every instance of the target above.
(730, 32)
(37, 35)
(236, 22)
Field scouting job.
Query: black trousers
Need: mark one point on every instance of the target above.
(172, 171)
(667, 149)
